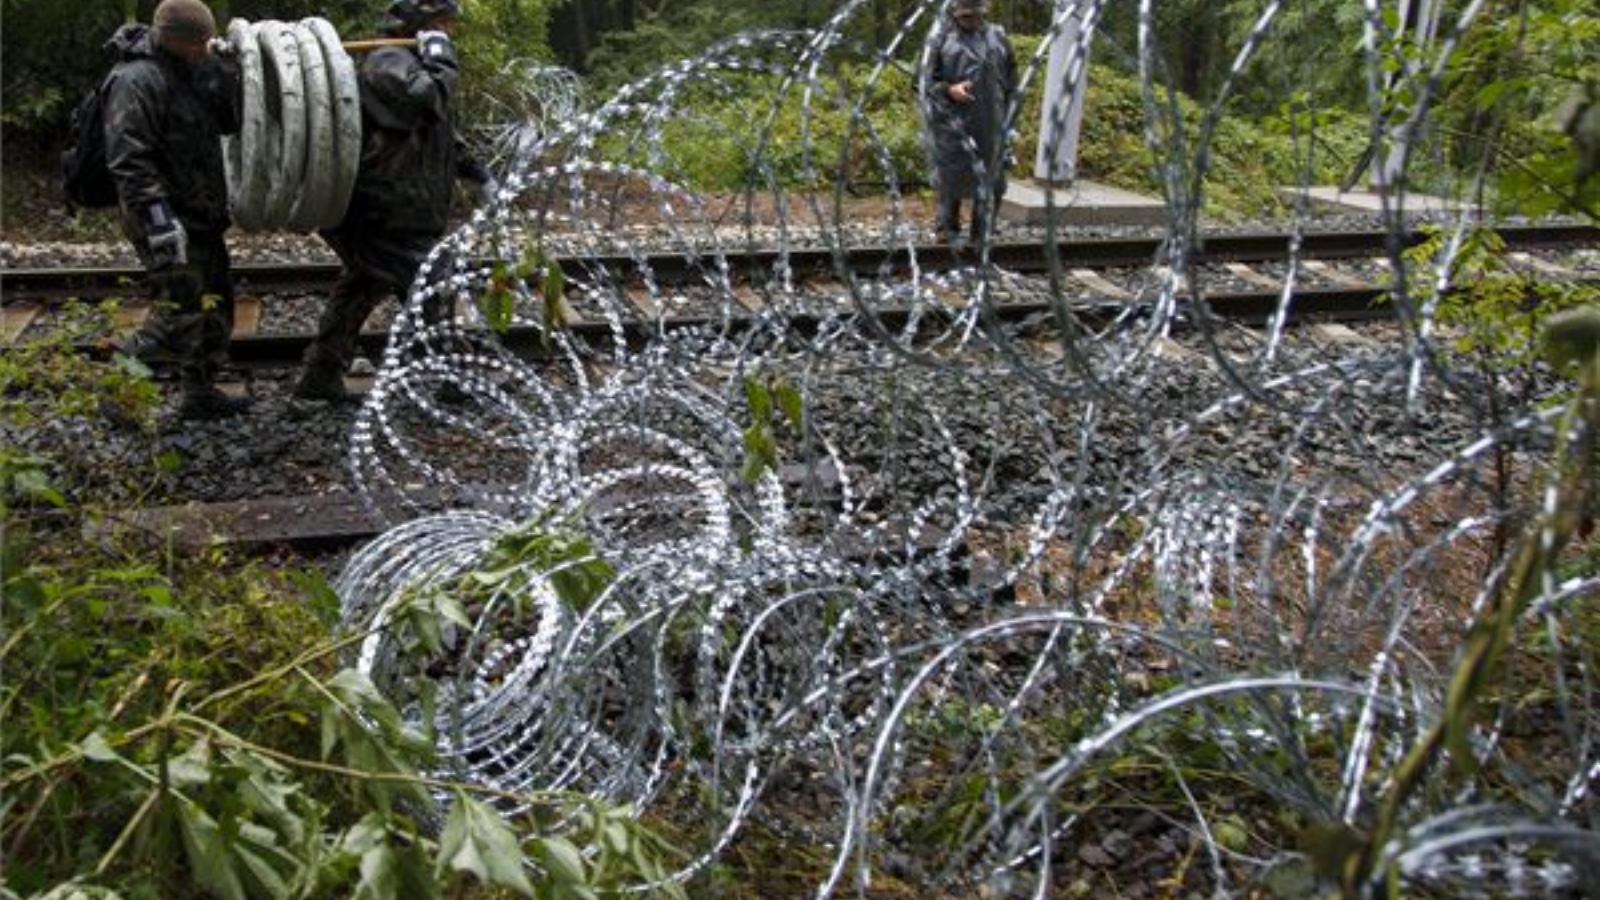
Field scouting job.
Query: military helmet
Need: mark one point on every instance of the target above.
(416, 13)
(959, 7)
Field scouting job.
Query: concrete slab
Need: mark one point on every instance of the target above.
(1331, 199)
(1080, 203)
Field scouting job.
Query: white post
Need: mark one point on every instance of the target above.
(1056, 160)
(1386, 166)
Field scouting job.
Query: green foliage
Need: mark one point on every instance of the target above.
(490, 35)
(1497, 310)
(1250, 158)
(498, 303)
(177, 726)
(767, 399)
(1510, 100)
(54, 52)
(1572, 340)
(46, 383)
(476, 841)
(541, 549)
(46, 376)
(717, 143)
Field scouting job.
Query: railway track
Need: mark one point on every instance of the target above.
(316, 523)
(31, 294)
(51, 285)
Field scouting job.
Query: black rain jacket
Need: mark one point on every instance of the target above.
(164, 125)
(410, 152)
(985, 58)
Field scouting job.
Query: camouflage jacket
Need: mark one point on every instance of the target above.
(410, 152)
(164, 123)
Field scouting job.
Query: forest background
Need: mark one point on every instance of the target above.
(1502, 106)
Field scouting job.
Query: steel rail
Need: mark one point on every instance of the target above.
(677, 267)
(276, 351)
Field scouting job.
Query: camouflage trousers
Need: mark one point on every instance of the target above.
(189, 328)
(374, 266)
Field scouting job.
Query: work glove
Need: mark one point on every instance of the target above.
(165, 236)
(436, 49)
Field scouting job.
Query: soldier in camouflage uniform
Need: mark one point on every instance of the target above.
(168, 102)
(410, 158)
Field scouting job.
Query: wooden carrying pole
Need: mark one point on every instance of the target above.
(375, 43)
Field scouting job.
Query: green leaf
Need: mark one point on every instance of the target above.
(555, 281)
(380, 874)
(330, 730)
(791, 404)
(95, 748)
(1490, 94)
(320, 595)
(554, 290)
(34, 484)
(193, 767)
(477, 841)
(561, 859)
(208, 853)
(130, 365)
(1231, 833)
(759, 398)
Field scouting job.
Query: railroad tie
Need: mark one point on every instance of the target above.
(130, 317)
(1095, 281)
(646, 305)
(1246, 274)
(15, 319)
(1341, 335)
(1323, 270)
(1526, 260)
(747, 297)
(246, 317)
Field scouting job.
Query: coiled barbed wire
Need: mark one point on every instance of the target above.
(522, 102)
(860, 576)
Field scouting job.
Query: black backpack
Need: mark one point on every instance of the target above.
(84, 173)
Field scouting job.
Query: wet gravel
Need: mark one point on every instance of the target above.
(287, 447)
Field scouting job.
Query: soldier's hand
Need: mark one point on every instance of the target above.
(435, 48)
(222, 48)
(166, 237)
(961, 92)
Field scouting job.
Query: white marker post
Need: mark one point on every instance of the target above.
(1060, 116)
(1421, 16)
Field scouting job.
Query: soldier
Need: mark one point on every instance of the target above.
(168, 101)
(971, 80)
(410, 157)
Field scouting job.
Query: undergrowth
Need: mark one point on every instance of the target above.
(182, 724)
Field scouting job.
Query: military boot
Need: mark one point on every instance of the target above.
(204, 401)
(321, 382)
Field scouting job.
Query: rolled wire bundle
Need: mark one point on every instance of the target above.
(293, 163)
